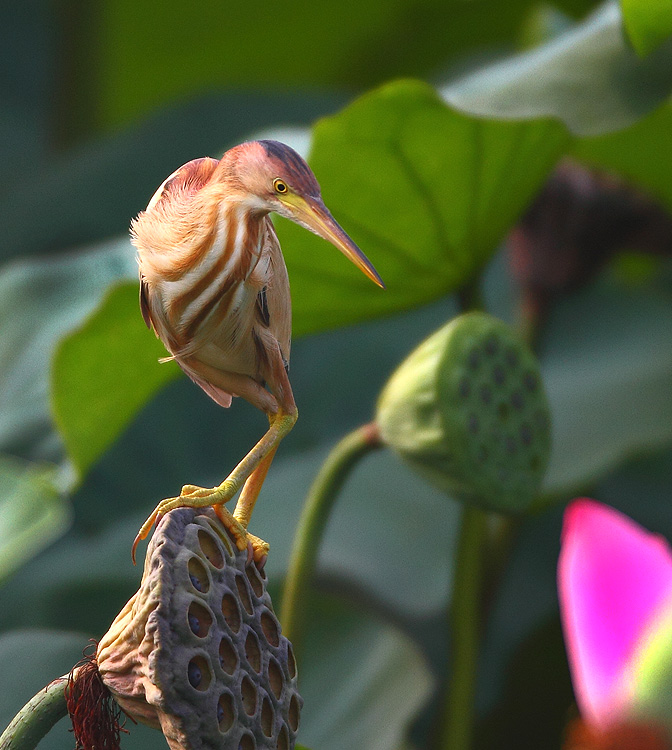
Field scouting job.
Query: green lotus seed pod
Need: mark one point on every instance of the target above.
(198, 651)
(467, 410)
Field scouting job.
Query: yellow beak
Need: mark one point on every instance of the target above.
(314, 215)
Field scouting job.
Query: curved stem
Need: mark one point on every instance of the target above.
(36, 718)
(456, 725)
(312, 524)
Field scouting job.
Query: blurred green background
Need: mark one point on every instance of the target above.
(101, 100)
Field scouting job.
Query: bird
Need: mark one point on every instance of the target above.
(214, 289)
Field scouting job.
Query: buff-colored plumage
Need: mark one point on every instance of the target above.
(214, 288)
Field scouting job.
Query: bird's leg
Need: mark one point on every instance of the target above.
(251, 489)
(282, 415)
(257, 460)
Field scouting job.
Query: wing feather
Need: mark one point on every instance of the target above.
(278, 301)
(144, 305)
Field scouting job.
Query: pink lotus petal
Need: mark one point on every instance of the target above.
(613, 579)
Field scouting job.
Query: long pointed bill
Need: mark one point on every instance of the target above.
(314, 215)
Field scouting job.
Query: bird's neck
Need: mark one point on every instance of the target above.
(240, 234)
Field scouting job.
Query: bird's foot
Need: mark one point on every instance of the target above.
(201, 497)
(257, 549)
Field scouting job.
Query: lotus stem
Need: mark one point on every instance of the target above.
(313, 522)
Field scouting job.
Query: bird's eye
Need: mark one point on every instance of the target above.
(280, 186)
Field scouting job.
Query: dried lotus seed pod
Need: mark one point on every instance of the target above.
(198, 651)
(467, 410)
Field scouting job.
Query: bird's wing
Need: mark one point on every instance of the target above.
(274, 306)
(218, 395)
(186, 179)
(144, 305)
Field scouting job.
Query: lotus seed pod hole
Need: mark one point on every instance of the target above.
(249, 695)
(228, 658)
(291, 661)
(512, 358)
(270, 627)
(283, 739)
(255, 581)
(198, 575)
(244, 594)
(231, 612)
(252, 651)
(517, 400)
(275, 678)
(531, 382)
(503, 412)
(210, 548)
(200, 619)
(267, 717)
(199, 673)
(293, 714)
(223, 536)
(247, 742)
(226, 712)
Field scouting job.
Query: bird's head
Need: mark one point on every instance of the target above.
(273, 177)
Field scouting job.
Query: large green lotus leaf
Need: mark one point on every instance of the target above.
(32, 513)
(607, 366)
(637, 153)
(103, 373)
(648, 23)
(427, 193)
(351, 45)
(590, 78)
(40, 301)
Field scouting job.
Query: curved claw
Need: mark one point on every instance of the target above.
(146, 527)
(193, 496)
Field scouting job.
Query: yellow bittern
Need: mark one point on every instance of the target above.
(214, 288)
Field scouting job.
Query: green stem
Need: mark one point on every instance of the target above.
(501, 537)
(313, 522)
(36, 718)
(456, 726)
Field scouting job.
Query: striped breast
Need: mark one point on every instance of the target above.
(208, 311)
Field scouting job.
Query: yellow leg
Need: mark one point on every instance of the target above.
(257, 548)
(200, 497)
(248, 497)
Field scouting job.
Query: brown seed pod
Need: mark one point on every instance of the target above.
(198, 651)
